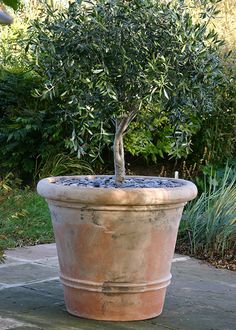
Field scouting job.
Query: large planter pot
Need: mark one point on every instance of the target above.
(115, 246)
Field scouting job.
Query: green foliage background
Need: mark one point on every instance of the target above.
(34, 128)
(12, 3)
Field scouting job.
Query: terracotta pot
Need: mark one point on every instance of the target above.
(115, 246)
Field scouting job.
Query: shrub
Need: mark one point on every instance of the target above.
(21, 122)
(209, 223)
(32, 132)
(217, 133)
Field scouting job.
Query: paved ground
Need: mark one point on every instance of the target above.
(200, 296)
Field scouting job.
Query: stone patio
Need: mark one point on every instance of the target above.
(200, 297)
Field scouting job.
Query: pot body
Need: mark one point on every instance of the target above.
(115, 250)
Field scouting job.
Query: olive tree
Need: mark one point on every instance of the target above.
(113, 59)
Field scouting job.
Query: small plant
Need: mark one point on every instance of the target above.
(209, 223)
(7, 183)
(60, 164)
(111, 61)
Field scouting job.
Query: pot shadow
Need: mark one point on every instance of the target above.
(41, 306)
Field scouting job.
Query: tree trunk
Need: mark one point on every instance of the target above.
(119, 160)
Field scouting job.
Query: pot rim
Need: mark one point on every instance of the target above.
(116, 196)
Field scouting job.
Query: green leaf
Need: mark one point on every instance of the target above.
(97, 71)
(165, 93)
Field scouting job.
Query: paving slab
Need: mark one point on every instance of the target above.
(33, 253)
(7, 323)
(9, 261)
(50, 262)
(23, 274)
(200, 297)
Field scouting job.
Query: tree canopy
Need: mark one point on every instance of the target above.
(111, 60)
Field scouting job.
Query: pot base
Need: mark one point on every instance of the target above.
(114, 307)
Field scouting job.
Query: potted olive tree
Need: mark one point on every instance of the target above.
(112, 60)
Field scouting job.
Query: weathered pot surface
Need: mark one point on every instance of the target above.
(115, 246)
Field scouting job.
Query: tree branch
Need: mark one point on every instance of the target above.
(123, 125)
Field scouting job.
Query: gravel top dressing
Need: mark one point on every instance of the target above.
(109, 182)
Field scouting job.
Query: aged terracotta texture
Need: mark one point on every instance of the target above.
(115, 247)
